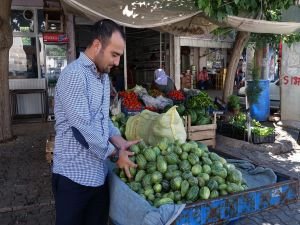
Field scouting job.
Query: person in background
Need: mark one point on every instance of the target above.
(272, 68)
(130, 76)
(162, 81)
(239, 78)
(202, 79)
(118, 78)
(85, 135)
(239, 74)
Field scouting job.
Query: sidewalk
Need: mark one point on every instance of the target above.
(25, 177)
(284, 157)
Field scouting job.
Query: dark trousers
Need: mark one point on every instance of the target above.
(202, 84)
(79, 205)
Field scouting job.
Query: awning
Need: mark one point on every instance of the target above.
(135, 14)
(262, 26)
(180, 17)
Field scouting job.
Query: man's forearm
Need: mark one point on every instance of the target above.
(117, 141)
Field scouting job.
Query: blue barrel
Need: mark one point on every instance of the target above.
(260, 111)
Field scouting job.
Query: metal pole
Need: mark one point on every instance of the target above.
(248, 120)
(160, 50)
(125, 64)
(37, 43)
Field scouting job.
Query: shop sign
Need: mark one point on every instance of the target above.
(55, 37)
(290, 83)
(291, 80)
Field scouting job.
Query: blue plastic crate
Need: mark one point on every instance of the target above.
(130, 112)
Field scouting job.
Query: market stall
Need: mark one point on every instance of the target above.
(179, 179)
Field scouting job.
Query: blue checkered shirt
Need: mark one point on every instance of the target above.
(82, 103)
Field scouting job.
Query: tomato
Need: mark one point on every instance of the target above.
(176, 95)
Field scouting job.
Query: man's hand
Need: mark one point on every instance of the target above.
(126, 145)
(121, 143)
(124, 162)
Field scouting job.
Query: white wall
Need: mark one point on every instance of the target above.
(290, 85)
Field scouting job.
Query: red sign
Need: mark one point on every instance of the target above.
(55, 37)
(291, 80)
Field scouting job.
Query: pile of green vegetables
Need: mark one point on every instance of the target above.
(240, 120)
(180, 173)
(120, 121)
(262, 131)
(197, 107)
(200, 101)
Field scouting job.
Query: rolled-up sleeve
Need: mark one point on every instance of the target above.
(113, 131)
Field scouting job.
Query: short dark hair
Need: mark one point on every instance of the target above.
(103, 30)
(204, 68)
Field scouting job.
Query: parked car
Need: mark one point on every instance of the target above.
(274, 90)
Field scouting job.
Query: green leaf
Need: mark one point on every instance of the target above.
(220, 16)
(229, 9)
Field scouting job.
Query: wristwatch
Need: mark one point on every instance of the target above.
(115, 157)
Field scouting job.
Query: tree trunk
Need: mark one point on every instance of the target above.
(259, 56)
(5, 44)
(239, 44)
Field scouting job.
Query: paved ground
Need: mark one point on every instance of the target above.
(25, 179)
(283, 156)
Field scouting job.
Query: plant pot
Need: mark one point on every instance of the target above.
(260, 110)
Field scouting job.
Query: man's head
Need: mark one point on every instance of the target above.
(204, 68)
(106, 45)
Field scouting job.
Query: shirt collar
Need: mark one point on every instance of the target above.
(86, 61)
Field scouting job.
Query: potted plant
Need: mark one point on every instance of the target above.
(233, 104)
(253, 88)
(258, 96)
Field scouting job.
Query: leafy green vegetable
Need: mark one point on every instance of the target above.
(263, 131)
(201, 101)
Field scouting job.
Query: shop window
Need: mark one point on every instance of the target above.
(41, 21)
(42, 58)
(22, 20)
(26, 59)
(22, 58)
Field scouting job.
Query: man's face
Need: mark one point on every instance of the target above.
(109, 55)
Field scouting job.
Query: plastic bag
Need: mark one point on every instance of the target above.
(159, 102)
(140, 91)
(153, 127)
(150, 101)
(115, 107)
(190, 92)
(129, 208)
(140, 126)
(163, 102)
(169, 125)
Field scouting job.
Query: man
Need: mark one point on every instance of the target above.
(85, 136)
(162, 81)
(202, 79)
